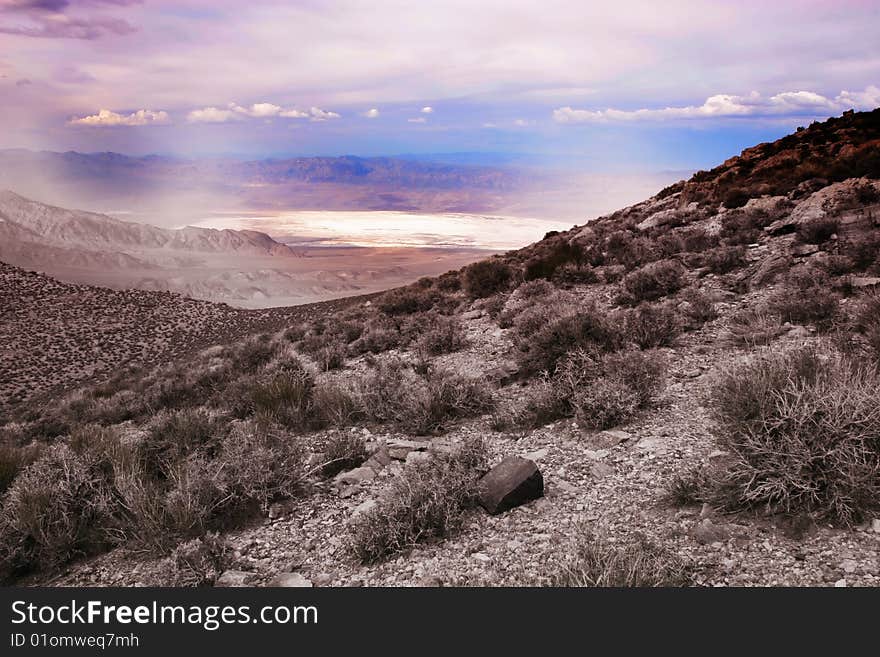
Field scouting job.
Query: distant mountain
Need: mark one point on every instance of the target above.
(44, 225)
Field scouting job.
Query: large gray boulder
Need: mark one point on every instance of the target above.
(512, 482)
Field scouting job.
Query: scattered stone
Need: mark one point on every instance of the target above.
(281, 509)
(400, 449)
(379, 460)
(865, 281)
(707, 532)
(480, 556)
(473, 314)
(840, 584)
(614, 437)
(599, 470)
(537, 455)
(289, 581)
(798, 332)
(875, 525)
(503, 374)
(234, 579)
(804, 249)
(417, 457)
(322, 579)
(356, 476)
(512, 482)
(364, 507)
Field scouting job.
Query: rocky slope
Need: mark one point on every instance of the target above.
(519, 351)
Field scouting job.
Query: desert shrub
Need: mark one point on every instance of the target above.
(725, 259)
(425, 502)
(419, 403)
(445, 336)
(251, 355)
(486, 277)
(866, 194)
(644, 372)
(330, 357)
(866, 321)
(594, 560)
(333, 404)
(687, 488)
(817, 231)
(545, 401)
(376, 339)
(572, 274)
(753, 327)
(865, 252)
(173, 436)
(535, 289)
(697, 308)
(260, 465)
(407, 300)
(604, 404)
(284, 397)
(740, 228)
(552, 254)
(13, 460)
(804, 431)
(655, 280)
(736, 198)
(805, 297)
(449, 282)
(343, 451)
(58, 507)
(652, 325)
(200, 561)
(543, 349)
(697, 240)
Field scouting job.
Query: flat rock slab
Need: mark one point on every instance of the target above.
(289, 581)
(512, 482)
(234, 578)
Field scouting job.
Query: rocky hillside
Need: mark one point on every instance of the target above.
(680, 393)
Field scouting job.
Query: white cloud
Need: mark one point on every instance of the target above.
(787, 103)
(427, 110)
(106, 117)
(258, 111)
(372, 113)
(418, 119)
(520, 123)
(294, 114)
(317, 114)
(211, 115)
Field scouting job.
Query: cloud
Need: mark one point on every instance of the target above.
(418, 119)
(372, 113)
(49, 19)
(787, 103)
(427, 110)
(106, 117)
(317, 114)
(211, 115)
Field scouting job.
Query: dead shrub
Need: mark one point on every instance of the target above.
(804, 431)
(425, 502)
(486, 277)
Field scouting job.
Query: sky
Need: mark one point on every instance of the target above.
(626, 85)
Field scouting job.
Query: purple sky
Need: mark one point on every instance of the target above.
(627, 83)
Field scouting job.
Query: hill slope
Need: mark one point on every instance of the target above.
(684, 372)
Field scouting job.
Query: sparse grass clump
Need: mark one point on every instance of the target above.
(425, 502)
(725, 259)
(804, 430)
(753, 327)
(595, 560)
(175, 435)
